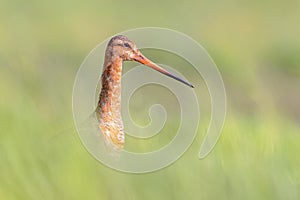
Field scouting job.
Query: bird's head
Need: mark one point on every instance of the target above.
(120, 47)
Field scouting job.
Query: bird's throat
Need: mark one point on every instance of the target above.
(109, 105)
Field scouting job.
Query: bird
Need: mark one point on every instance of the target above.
(108, 110)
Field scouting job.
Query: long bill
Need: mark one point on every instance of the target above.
(145, 61)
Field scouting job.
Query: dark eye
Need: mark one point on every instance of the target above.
(126, 45)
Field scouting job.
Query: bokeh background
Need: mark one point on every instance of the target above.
(256, 46)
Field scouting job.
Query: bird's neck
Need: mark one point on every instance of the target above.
(110, 96)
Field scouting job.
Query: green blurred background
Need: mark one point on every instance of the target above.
(256, 46)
